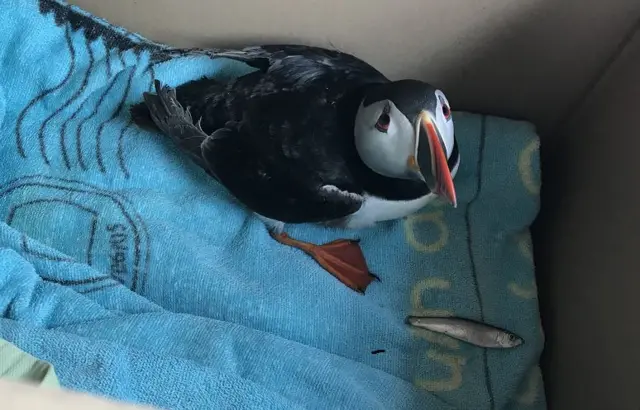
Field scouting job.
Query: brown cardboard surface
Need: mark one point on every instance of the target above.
(529, 59)
(587, 248)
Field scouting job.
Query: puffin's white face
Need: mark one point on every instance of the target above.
(409, 148)
(443, 119)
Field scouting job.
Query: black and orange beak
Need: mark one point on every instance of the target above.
(431, 156)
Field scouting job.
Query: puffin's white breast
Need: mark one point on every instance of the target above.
(376, 209)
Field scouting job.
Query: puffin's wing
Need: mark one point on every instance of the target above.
(299, 64)
(256, 172)
(269, 186)
(175, 121)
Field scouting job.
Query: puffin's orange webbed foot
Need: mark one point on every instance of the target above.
(342, 258)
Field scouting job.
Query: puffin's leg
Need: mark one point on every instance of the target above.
(342, 258)
(273, 225)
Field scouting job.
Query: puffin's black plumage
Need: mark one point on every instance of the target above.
(282, 140)
(283, 131)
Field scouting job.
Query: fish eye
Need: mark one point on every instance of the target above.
(512, 338)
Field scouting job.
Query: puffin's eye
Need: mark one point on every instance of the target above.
(383, 122)
(446, 111)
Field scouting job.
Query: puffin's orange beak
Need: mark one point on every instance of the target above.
(441, 181)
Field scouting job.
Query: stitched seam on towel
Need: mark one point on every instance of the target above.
(474, 271)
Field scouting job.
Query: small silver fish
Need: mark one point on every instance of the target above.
(469, 331)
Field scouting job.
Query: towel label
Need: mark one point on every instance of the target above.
(79, 222)
(118, 240)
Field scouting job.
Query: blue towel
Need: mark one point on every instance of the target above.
(139, 278)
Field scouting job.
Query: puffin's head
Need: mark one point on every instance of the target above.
(404, 129)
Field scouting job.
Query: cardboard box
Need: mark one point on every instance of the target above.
(572, 67)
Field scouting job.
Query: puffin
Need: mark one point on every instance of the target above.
(313, 136)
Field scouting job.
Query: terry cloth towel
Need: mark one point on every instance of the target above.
(138, 277)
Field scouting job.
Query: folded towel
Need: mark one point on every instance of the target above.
(138, 277)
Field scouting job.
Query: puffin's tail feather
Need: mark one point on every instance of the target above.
(141, 116)
(163, 112)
